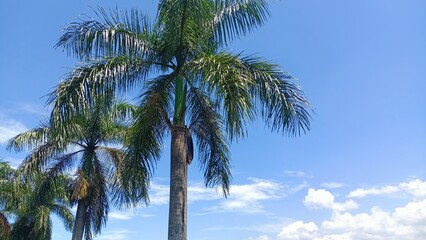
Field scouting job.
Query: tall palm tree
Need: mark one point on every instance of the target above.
(191, 87)
(84, 143)
(31, 200)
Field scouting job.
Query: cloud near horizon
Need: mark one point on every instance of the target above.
(405, 222)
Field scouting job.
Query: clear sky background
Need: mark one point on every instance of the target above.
(360, 173)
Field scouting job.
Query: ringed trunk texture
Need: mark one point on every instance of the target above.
(178, 185)
(80, 218)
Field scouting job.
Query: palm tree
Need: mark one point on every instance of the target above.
(191, 87)
(31, 200)
(86, 140)
(6, 188)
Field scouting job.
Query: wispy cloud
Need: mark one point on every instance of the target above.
(120, 215)
(298, 174)
(245, 198)
(248, 198)
(415, 188)
(120, 234)
(332, 185)
(10, 128)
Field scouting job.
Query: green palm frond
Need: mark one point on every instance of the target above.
(238, 81)
(226, 76)
(145, 137)
(206, 124)
(64, 214)
(98, 206)
(29, 139)
(183, 26)
(88, 225)
(236, 18)
(283, 104)
(125, 33)
(77, 92)
(43, 222)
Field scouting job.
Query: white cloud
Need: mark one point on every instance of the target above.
(415, 188)
(10, 128)
(295, 174)
(245, 198)
(114, 235)
(332, 185)
(248, 198)
(263, 237)
(298, 231)
(406, 222)
(158, 194)
(120, 215)
(322, 198)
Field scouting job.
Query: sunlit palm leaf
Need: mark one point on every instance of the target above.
(236, 18)
(283, 104)
(227, 77)
(76, 93)
(125, 33)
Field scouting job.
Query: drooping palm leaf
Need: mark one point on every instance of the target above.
(206, 124)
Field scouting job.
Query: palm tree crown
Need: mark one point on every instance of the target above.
(190, 85)
(30, 200)
(82, 143)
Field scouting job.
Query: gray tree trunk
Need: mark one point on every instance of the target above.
(80, 218)
(178, 185)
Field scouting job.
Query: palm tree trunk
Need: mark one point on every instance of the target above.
(80, 218)
(178, 185)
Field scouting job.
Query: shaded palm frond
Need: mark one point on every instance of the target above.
(98, 206)
(64, 214)
(236, 18)
(38, 158)
(144, 140)
(118, 33)
(206, 124)
(5, 227)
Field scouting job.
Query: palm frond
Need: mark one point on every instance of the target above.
(226, 76)
(43, 222)
(284, 105)
(5, 227)
(118, 33)
(236, 18)
(29, 139)
(206, 124)
(38, 158)
(64, 214)
(144, 139)
(98, 204)
(77, 92)
(184, 27)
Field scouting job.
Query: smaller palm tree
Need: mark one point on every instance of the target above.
(31, 200)
(6, 175)
(85, 144)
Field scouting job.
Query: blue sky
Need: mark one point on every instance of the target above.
(360, 173)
